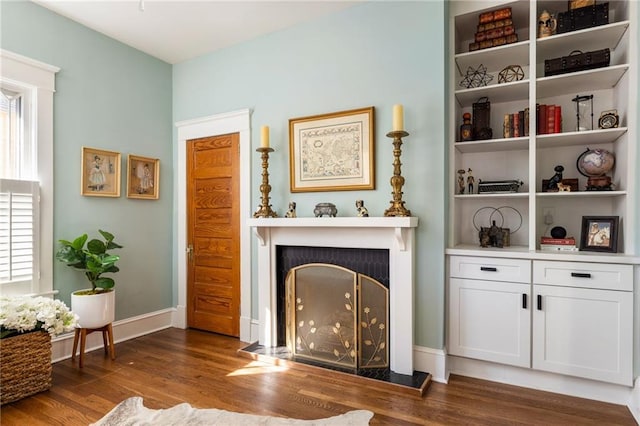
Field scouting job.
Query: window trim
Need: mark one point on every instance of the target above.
(18, 70)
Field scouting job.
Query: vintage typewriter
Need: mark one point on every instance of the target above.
(498, 186)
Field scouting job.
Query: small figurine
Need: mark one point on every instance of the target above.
(564, 188)
(291, 212)
(556, 179)
(461, 181)
(470, 181)
(362, 210)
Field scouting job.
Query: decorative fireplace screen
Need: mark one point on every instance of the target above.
(337, 316)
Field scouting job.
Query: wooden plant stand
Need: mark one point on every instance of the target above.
(107, 340)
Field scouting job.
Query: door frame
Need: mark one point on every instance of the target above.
(214, 125)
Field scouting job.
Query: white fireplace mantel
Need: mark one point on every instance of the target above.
(396, 234)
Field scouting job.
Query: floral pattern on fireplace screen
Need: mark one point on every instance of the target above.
(337, 316)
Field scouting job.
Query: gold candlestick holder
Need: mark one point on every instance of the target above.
(264, 210)
(397, 181)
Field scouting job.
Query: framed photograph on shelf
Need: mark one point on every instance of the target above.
(100, 173)
(599, 233)
(143, 177)
(332, 152)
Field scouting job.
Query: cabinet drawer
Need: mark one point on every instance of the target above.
(586, 275)
(490, 268)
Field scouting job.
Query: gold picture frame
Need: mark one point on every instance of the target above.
(143, 177)
(332, 152)
(100, 173)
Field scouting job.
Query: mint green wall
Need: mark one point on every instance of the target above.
(374, 54)
(108, 96)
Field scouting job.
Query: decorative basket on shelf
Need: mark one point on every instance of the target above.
(26, 365)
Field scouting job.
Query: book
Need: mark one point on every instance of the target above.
(563, 241)
(558, 120)
(521, 123)
(551, 118)
(541, 119)
(506, 126)
(526, 122)
(516, 125)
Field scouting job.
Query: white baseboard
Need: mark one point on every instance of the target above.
(179, 319)
(126, 329)
(433, 361)
(634, 404)
(541, 380)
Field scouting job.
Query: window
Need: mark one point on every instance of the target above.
(26, 175)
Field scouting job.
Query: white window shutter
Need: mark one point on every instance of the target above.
(19, 230)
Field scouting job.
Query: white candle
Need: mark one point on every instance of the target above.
(264, 137)
(398, 118)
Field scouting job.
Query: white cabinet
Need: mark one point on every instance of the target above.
(532, 158)
(583, 320)
(573, 318)
(490, 309)
(490, 320)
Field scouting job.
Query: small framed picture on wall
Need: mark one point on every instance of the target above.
(143, 177)
(100, 173)
(599, 233)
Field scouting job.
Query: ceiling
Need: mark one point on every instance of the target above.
(178, 30)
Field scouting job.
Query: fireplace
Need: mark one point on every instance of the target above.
(392, 235)
(336, 316)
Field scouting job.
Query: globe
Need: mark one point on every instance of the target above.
(595, 162)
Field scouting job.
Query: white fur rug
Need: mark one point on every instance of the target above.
(132, 412)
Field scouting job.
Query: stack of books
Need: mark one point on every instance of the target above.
(558, 244)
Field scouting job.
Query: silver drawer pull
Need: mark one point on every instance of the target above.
(488, 269)
(580, 275)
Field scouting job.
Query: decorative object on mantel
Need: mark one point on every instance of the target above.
(361, 209)
(264, 210)
(477, 77)
(26, 328)
(291, 212)
(495, 235)
(328, 209)
(397, 181)
(595, 164)
(510, 73)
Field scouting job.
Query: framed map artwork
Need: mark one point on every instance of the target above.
(332, 152)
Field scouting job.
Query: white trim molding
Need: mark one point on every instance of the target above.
(123, 330)
(38, 78)
(220, 124)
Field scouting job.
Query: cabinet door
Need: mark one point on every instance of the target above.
(490, 320)
(583, 332)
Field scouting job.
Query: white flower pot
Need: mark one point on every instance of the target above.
(94, 310)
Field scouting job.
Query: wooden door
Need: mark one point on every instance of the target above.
(213, 208)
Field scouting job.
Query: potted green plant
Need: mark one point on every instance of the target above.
(95, 306)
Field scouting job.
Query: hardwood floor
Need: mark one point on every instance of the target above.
(203, 369)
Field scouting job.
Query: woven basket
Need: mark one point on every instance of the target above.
(25, 362)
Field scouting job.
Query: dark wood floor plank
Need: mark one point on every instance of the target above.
(203, 369)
